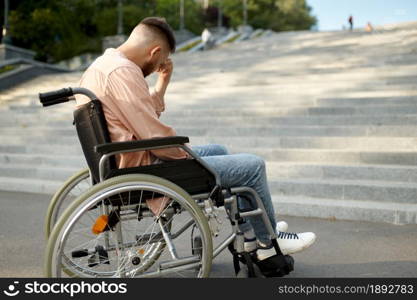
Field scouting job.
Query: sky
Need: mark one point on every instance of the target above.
(333, 14)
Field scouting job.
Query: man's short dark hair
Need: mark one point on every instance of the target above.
(162, 25)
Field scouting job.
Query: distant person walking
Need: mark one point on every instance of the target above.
(369, 27)
(207, 38)
(351, 22)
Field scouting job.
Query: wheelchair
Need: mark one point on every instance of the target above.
(99, 223)
(72, 187)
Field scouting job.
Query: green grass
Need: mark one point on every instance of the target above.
(7, 68)
(188, 47)
(231, 40)
(259, 34)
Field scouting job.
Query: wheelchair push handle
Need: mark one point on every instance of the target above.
(55, 97)
(63, 95)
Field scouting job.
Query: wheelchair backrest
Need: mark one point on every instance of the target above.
(92, 130)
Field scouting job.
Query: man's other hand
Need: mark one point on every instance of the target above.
(165, 70)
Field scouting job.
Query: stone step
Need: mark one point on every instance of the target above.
(374, 211)
(41, 139)
(346, 189)
(272, 100)
(333, 156)
(270, 154)
(243, 111)
(394, 173)
(59, 161)
(207, 100)
(369, 101)
(257, 82)
(253, 105)
(323, 185)
(333, 143)
(29, 185)
(70, 145)
(66, 129)
(36, 120)
(10, 131)
(299, 131)
(37, 172)
(371, 211)
(275, 171)
(294, 111)
(204, 121)
(51, 149)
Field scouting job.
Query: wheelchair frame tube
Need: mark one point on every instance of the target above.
(261, 206)
(91, 177)
(259, 202)
(105, 157)
(168, 241)
(192, 259)
(85, 92)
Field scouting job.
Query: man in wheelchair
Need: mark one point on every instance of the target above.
(132, 113)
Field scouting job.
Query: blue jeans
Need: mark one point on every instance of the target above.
(236, 170)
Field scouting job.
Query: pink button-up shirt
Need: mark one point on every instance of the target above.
(131, 112)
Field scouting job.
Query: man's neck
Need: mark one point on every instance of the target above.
(131, 54)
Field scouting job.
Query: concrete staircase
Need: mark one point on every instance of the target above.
(334, 114)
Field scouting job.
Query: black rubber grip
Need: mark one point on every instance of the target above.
(55, 97)
(79, 253)
(56, 101)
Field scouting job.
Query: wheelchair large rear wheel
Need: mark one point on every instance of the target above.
(68, 192)
(135, 242)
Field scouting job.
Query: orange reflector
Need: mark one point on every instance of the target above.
(100, 224)
(141, 251)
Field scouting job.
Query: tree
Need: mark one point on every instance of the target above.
(278, 15)
(295, 15)
(56, 30)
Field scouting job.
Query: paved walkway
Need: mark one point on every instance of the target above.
(343, 249)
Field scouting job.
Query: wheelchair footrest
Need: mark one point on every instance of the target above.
(274, 266)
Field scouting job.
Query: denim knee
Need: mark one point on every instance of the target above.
(220, 149)
(254, 162)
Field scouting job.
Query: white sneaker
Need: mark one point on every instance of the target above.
(289, 243)
(250, 239)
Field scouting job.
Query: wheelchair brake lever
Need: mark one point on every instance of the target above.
(213, 220)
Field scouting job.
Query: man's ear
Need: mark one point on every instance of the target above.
(155, 51)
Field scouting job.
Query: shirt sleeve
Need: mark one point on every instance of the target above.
(159, 103)
(137, 111)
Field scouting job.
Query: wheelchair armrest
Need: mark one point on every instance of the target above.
(141, 145)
